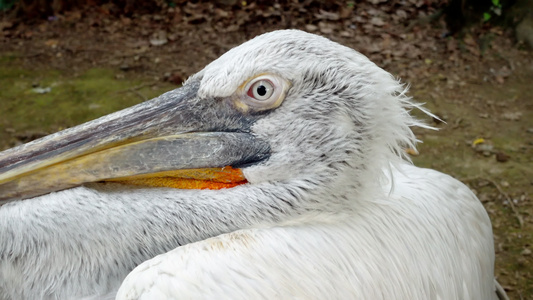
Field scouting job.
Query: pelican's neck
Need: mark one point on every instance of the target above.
(89, 238)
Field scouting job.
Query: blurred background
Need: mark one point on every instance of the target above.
(66, 62)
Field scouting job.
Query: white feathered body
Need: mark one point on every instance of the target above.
(426, 238)
(333, 213)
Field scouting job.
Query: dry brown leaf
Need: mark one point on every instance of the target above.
(359, 19)
(512, 116)
(401, 13)
(377, 21)
(451, 45)
(5, 25)
(325, 28)
(221, 13)
(159, 38)
(326, 15)
(311, 27)
(345, 11)
(346, 33)
(52, 43)
(471, 45)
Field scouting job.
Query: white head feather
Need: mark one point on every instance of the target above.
(342, 114)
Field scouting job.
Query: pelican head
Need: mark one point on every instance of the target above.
(286, 105)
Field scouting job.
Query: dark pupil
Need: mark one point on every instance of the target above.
(261, 90)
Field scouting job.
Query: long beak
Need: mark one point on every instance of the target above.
(175, 131)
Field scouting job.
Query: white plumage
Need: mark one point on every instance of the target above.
(333, 213)
(381, 248)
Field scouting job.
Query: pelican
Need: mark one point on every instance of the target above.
(276, 172)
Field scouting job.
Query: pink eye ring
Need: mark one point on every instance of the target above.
(265, 92)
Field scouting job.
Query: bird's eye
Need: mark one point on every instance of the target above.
(263, 92)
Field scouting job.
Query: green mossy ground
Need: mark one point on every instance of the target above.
(73, 98)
